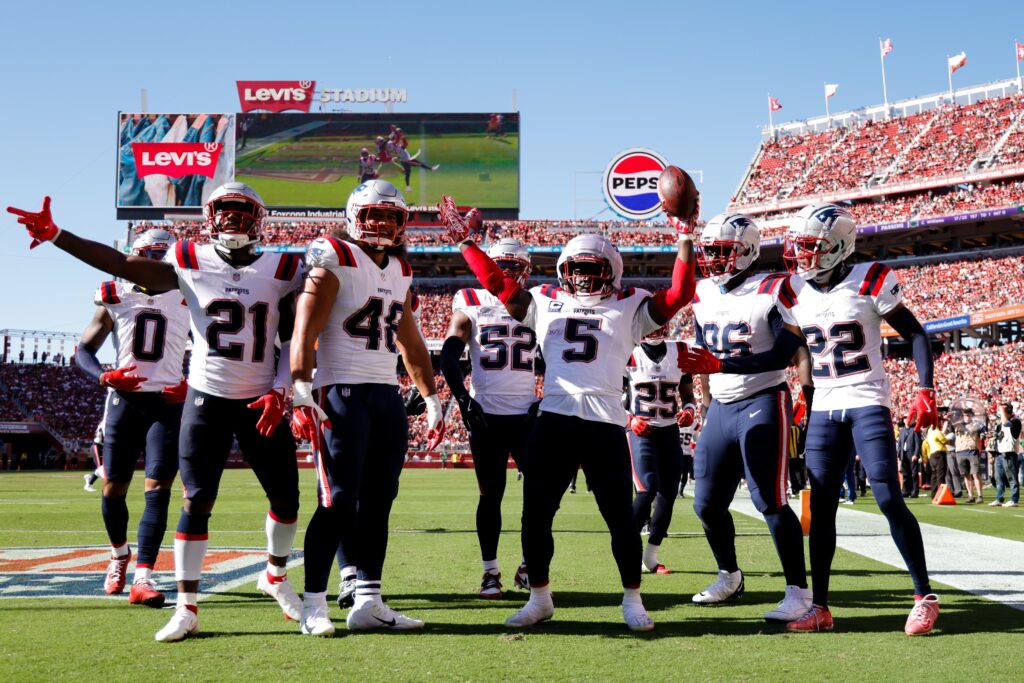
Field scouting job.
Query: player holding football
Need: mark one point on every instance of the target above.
(351, 322)
(655, 384)
(745, 434)
(239, 301)
(142, 412)
(838, 308)
(502, 390)
(587, 330)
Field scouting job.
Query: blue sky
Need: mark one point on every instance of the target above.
(687, 79)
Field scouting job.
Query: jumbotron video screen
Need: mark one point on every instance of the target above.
(315, 160)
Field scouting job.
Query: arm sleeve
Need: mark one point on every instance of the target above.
(489, 275)
(87, 362)
(775, 358)
(667, 302)
(451, 350)
(908, 327)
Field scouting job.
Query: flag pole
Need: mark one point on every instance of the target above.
(771, 125)
(885, 94)
(828, 114)
(1016, 60)
(949, 73)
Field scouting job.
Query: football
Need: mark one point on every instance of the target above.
(474, 220)
(677, 192)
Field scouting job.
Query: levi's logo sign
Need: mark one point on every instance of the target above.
(176, 159)
(275, 96)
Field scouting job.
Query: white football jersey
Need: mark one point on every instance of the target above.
(688, 439)
(367, 166)
(654, 386)
(501, 353)
(234, 317)
(736, 323)
(150, 332)
(843, 328)
(359, 343)
(585, 349)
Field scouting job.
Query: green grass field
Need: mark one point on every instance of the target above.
(319, 171)
(433, 572)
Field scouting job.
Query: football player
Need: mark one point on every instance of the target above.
(745, 434)
(838, 308)
(586, 329)
(142, 413)
(368, 167)
(502, 390)
(351, 323)
(239, 300)
(97, 454)
(400, 157)
(655, 386)
(687, 441)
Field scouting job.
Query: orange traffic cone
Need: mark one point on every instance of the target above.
(943, 497)
(805, 511)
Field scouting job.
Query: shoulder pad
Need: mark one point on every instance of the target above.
(287, 267)
(185, 255)
(107, 293)
(330, 252)
(770, 283)
(550, 291)
(874, 279)
(626, 293)
(406, 268)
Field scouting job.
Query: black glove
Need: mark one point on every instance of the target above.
(472, 413)
(414, 403)
(534, 410)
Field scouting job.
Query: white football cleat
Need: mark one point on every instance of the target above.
(316, 622)
(347, 591)
(793, 606)
(282, 591)
(88, 485)
(636, 617)
(531, 613)
(728, 586)
(371, 616)
(522, 578)
(184, 623)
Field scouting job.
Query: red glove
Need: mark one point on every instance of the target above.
(306, 413)
(699, 361)
(638, 426)
(456, 227)
(272, 405)
(176, 394)
(923, 411)
(122, 379)
(687, 415)
(40, 225)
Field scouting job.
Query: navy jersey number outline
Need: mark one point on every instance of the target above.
(847, 337)
(577, 332)
(722, 342)
(365, 323)
(495, 339)
(233, 324)
(141, 339)
(647, 394)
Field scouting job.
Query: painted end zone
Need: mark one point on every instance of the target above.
(78, 572)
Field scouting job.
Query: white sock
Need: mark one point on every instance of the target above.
(142, 573)
(98, 472)
(541, 594)
(188, 599)
(631, 596)
(119, 551)
(651, 556)
(280, 535)
(314, 599)
(491, 567)
(348, 572)
(276, 571)
(366, 591)
(188, 558)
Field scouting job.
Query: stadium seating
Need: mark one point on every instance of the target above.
(66, 400)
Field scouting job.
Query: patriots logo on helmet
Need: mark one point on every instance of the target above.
(829, 215)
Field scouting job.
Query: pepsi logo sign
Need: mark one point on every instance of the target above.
(631, 183)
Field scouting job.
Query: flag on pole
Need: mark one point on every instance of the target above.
(1020, 52)
(773, 104)
(830, 89)
(957, 62)
(886, 46)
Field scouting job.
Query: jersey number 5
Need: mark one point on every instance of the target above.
(579, 331)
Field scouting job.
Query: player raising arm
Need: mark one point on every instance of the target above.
(838, 309)
(586, 330)
(239, 302)
(354, 315)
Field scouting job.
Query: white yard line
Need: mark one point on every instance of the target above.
(983, 565)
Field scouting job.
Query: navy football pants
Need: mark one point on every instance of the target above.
(657, 461)
(505, 435)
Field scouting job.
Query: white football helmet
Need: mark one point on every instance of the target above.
(821, 237)
(728, 245)
(153, 243)
(376, 195)
(512, 257)
(659, 335)
(234, 215)
(589, 268)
